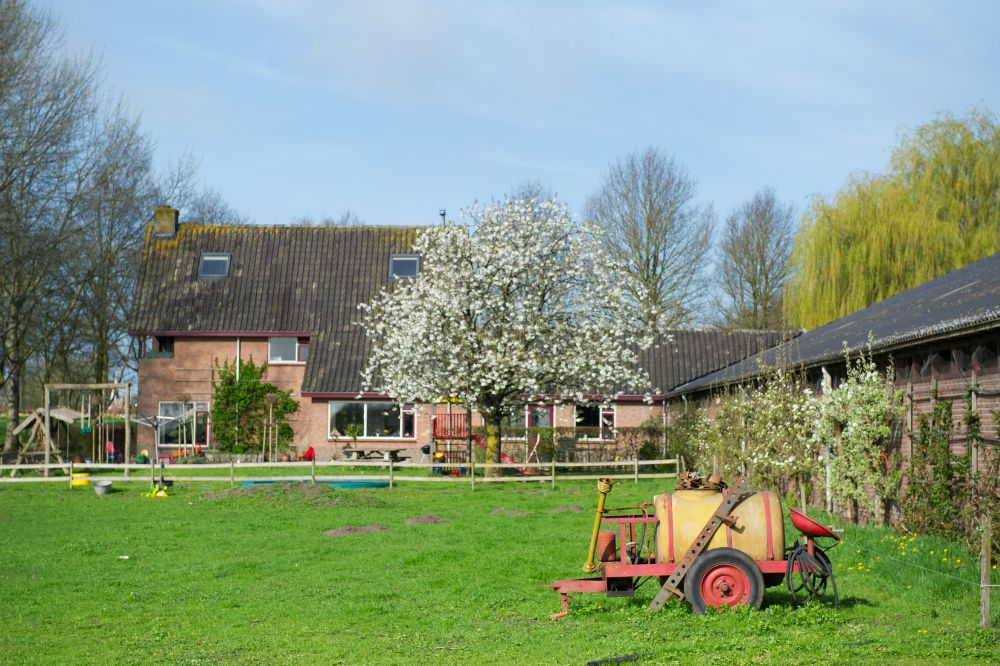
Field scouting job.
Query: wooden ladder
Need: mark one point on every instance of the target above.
(721, 517)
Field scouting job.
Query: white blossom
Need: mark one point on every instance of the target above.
(520, 304)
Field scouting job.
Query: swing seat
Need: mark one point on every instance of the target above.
(86, 430)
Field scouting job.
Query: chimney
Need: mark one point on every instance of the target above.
(165, 222)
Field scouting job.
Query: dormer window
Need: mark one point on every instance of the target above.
(404, 266)
(214, 265)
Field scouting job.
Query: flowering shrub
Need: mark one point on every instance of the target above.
(764, 431)
(855, 425)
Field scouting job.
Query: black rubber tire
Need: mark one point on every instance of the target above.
(713, 559)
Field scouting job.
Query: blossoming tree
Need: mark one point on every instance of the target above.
(520, 304)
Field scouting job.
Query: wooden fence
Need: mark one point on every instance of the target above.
(230, 471)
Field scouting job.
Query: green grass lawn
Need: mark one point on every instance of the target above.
(217, 576)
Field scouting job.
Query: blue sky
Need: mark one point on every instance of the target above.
(396, 109)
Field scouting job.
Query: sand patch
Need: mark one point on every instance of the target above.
(509, 512)
(575, 508)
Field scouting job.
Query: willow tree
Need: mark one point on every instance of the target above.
(519, 305)
(936, 209)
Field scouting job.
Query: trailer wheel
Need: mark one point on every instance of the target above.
(723, 577)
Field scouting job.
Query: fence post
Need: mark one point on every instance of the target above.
(152, 471)
(984, 575)
(472, 469)
(392, 470)
(71, 475)
(553, 463)
(232, 473)
(314, 469)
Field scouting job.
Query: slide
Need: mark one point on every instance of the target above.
(525, 471)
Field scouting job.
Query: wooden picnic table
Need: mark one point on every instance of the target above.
(385, 454)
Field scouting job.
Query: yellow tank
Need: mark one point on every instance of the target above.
(683, 514)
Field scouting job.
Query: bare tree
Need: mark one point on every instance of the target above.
(527, 190)
(346, 219)
(47, 111)
(646, 207)
(754, 262)
(76, 188)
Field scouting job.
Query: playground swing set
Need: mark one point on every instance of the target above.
(94, 419)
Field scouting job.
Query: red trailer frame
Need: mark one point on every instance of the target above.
(621, 577)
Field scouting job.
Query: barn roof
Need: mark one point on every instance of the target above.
(963, 300)
(679, 356)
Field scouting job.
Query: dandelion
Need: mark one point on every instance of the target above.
(958, 561)
(921, 631)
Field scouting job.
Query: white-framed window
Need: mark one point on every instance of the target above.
(182, 423)
(596, 421)
(287, 349)
(371, 420)
(522, 418)
(404, 266)
(214, 265)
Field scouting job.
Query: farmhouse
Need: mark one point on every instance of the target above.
(208, 294)
(941, 338)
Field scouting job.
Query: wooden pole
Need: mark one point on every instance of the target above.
(128, 427)
(47, 425)
(392, 470)
(637, 468)
(232, 473)
(974, 452)
(553, 464)
(71, 474)
(472, 470)
(314, 469)
(152, 472)
(984, 575)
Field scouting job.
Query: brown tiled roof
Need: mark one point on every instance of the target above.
(294, 279)
(680, 356)
(310, 280)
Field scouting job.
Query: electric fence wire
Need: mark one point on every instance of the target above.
(916, 566)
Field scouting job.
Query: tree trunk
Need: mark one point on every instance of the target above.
(11, 442)
(492, 447)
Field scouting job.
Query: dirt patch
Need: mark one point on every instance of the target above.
(363, 529)
(509, 512)
(242, 491)
(426, 520)
(311, 495)
(574, 508)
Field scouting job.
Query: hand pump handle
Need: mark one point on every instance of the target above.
(603, 488)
